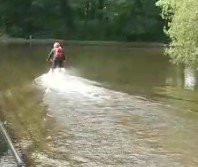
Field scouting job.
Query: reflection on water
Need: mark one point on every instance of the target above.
(189, 78)
(109, 118)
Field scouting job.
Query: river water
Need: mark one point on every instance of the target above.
(113, 106)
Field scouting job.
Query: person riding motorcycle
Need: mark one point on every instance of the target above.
(56, 56)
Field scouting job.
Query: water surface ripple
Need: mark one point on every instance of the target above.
(95, 126)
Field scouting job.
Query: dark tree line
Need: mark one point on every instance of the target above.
(127, 20)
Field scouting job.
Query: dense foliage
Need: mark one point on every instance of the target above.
(82, 19)
(182, 29)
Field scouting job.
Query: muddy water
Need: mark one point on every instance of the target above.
(133, 109)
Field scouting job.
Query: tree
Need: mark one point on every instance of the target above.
(14, 16)
(182, 17)
(127, 20)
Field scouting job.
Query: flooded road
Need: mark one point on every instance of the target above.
(113, 107)
(102, 127)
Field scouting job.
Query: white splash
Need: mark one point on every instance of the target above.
(63, 82)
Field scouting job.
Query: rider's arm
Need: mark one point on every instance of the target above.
(50, 55)
(64, 57)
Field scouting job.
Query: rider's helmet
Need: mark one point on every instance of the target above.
(56, 44)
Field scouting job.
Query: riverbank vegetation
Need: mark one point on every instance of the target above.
(121, 20)
(182, 17)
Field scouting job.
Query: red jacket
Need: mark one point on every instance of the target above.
(57, 53)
